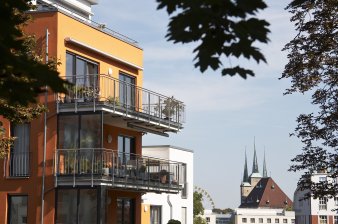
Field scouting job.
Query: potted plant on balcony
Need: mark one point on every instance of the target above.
(113, 100)
(171, 107)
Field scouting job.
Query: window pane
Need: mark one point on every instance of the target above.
(66, 206)
(90, 133)
(81, 71)
(68, 131)
(155, 215)
(70, 67)
(19, 156)
(17, 209)
(125, 211)
(88, 206)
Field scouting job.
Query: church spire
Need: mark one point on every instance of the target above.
(255, 163)
(265, 173)
(245, 175)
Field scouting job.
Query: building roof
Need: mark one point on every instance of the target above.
(245, 175)
(266, 194)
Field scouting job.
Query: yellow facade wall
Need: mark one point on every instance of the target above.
(145, 214)
(68, 27)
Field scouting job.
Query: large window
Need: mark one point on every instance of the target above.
(77, 206)
(322, 219)
(183, 176)
(125, 211)
(80, 70)
(322, 204)
(79, 131)
(155, 214)
(335, 220)
(17, 209)
(19, 155)
(127, 90)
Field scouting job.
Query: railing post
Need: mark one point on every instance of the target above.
(92, 170)
(75, 158)
(94, 92)
(114, 95)
(113, 168)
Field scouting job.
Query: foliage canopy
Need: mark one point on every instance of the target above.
(223, 28)
(312, 68)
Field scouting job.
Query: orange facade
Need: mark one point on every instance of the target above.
(110, 56)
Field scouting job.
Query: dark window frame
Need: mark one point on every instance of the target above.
(9, 212)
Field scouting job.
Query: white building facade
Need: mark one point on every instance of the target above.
(215, 218)
(263, 216)
(163, 207)
(315, 211)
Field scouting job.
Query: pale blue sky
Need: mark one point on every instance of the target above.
(223, 113)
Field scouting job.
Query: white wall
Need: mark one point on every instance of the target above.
(264, 214)
(179, 155)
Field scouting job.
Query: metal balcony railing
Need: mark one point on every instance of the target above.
(18, 164)
(98, 90)
(92, 166)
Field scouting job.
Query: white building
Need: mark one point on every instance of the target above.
(315, 211)
(264, 216)
(215, 218)
(164, 207)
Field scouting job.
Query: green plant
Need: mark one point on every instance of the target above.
(173, 221)
(113, 100)
(171, 106)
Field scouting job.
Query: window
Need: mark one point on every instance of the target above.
(183, 177)
(268, 220)
(126, 147)
(322, 179)
(125, 211)
(17, 209)
(155, 214)
(77, 206)
(19, 154)
(292, 221)
(252, 220)
(260, 220)
(335, 220)
(184, 215)
(322, 203)
(285, 220)
(336, 200)
(322, 219)
(276, 220)
(207, 219)
(127, 90)
(83, 73)
(244, 220)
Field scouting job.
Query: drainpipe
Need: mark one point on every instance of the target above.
(44, 141)
(171, 206)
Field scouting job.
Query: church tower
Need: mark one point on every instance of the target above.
(245, 185)
(255, 177)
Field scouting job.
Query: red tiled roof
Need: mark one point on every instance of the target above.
(267, 194)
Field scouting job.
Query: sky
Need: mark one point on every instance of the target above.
(223, 114)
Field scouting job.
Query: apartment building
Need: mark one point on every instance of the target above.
(83, 161)
(163, 207)
(316, 211)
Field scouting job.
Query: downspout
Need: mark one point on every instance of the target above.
(171, 206)
(44, 141)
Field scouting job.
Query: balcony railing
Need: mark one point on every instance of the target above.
(18, 164)
(118, 170)
(104, 90)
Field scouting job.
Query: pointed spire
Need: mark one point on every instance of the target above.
(265, 173)
(255, 163)
(245, 175)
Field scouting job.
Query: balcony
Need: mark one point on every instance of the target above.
(93, 167)
(17, 165)
(140, 108)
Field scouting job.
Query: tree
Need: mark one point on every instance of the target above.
(312, 68)
(198, 208)
(223, 28)
(23, 74)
